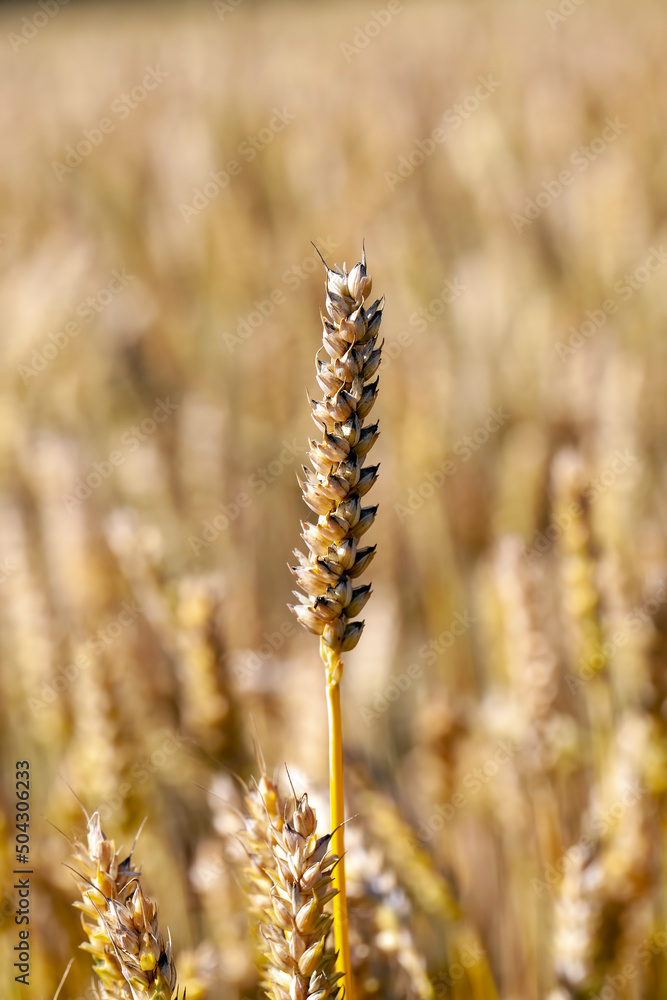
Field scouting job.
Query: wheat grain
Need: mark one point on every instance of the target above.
(130, 955)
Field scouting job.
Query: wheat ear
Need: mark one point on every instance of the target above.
(334, 492)
(130, 955)
(295, 925)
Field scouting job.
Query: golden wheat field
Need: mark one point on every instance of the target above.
(166, 170)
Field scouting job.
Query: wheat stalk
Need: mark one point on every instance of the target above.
(334, 491)
(130, 955)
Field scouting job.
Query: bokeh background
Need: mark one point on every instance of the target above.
(164, 170)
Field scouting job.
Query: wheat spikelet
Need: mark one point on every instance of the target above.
(130, 955)
(335, 489)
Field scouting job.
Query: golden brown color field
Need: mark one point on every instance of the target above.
(164, 171)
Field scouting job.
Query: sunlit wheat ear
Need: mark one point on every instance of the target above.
(288, 885)
(299, 966)
(339, 480)
(129, 953)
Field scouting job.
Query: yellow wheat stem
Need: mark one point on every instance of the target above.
(336, 790)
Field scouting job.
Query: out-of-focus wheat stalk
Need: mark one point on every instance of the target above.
(130, 955)
(334, 491)
(581, 595)
(427, 886)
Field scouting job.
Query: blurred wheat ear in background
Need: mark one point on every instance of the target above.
(334, 491)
